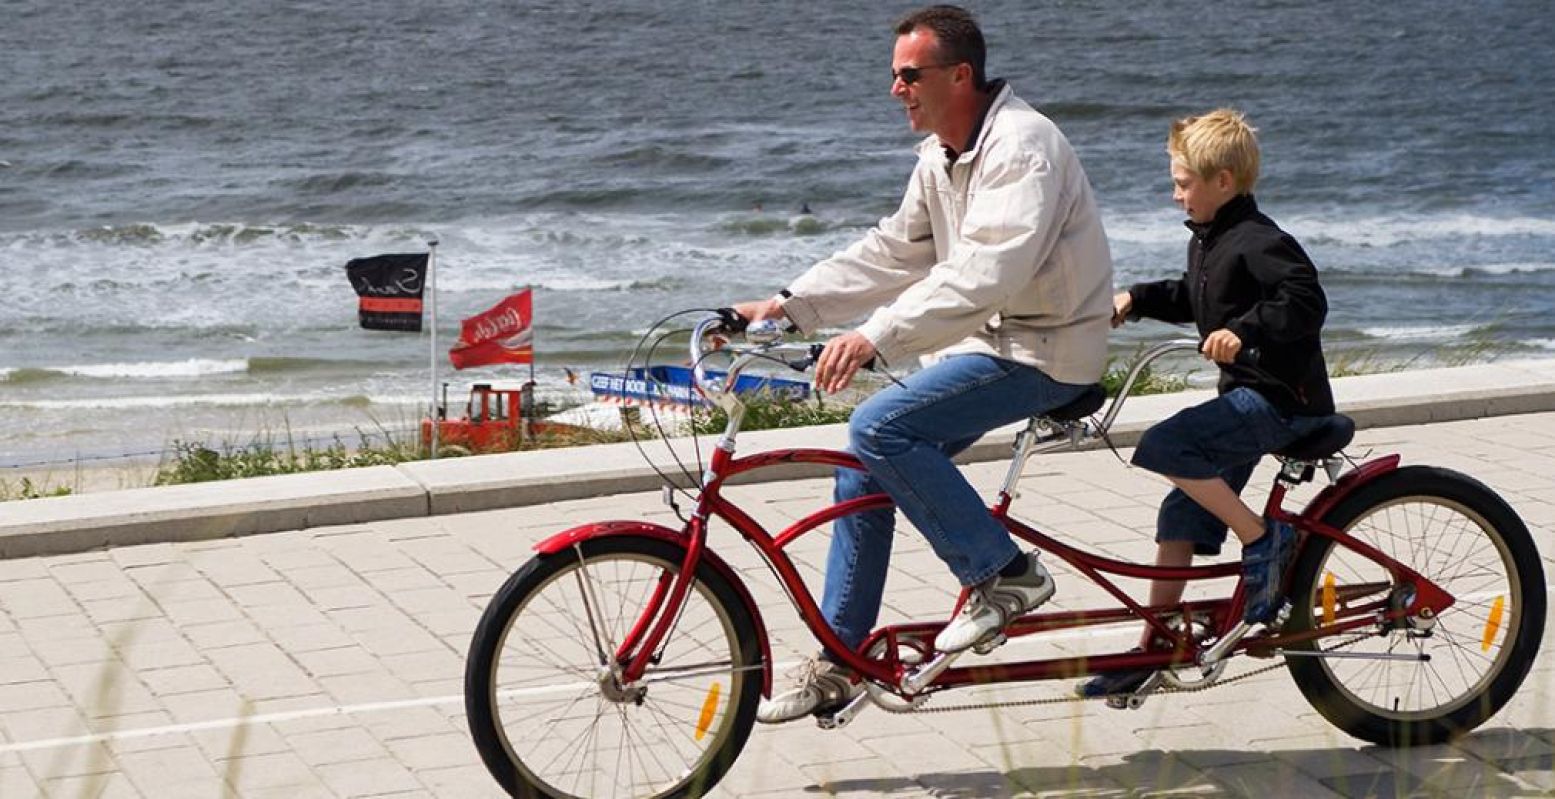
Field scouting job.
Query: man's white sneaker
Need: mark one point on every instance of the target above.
(818, 685)
(995, 603)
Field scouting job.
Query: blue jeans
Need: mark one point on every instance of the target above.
(906, 435)
(1223, 438)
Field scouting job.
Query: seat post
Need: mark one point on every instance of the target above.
(1024, 441)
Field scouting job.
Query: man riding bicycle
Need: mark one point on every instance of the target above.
(995, 268)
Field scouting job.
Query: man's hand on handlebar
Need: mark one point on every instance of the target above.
(841, 359)
(760, 309)
(1221, 346)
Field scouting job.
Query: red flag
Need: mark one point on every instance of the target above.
(501, 334)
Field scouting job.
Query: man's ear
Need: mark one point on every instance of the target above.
(1224, 180)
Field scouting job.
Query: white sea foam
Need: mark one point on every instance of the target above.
(1419, 333)
(1165, 227)
(192, 367)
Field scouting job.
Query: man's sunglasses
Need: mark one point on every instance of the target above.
(911, 75)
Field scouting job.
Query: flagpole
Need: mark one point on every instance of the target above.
(530, 289)
(432, 288)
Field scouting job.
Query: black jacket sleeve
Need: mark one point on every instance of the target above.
(1166, 300)
(1292, 304)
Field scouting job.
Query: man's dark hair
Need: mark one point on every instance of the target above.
(960, 40)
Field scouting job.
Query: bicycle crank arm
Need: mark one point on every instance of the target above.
(1420, 657)
(840, 717)
(915, 681)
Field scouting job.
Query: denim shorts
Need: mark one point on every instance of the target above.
(1223, 438)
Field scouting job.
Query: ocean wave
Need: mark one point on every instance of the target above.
(191, 367)
(203, 400)
(1376, 231)
(1421, 332)
(20, 376)
(799, 225)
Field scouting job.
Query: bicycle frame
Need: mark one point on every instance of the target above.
(636, 651)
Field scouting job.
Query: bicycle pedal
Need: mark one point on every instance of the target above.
(985, 647)
(1135, 700)
(839, 718)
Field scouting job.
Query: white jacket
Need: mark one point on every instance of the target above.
(1001, 252)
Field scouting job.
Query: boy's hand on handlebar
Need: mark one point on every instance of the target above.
(1122, 303)
(841, 359)
(1221, 346)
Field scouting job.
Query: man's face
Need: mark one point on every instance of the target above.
(927, 99)
(1200, 197)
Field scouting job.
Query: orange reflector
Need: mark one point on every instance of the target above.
(709, 707)
(1328, 597)
(1493, 623)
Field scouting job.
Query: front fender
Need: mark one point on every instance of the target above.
(593, 530)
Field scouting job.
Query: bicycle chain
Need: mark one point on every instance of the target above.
(1065, 699)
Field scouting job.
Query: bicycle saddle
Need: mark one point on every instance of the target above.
(1079, 407)
(1332, 436)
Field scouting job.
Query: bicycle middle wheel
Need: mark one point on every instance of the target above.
(1458, 533)
(547, 716)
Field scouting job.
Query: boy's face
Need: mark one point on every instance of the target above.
(1199, 196)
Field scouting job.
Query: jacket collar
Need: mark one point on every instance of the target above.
(1235, 210)
(1001, 95)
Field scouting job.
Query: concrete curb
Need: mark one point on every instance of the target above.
(82, 522)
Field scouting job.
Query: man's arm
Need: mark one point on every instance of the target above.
(1011, 225)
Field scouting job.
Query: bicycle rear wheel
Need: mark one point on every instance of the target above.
(546, 714)
(1458, 533)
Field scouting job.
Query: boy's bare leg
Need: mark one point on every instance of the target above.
(1167, 592)
(1216, 497)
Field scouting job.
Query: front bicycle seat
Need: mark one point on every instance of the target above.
(1082, 406)
(1331, 435)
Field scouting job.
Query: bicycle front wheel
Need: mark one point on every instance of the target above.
(548, 715)
(1421, 681)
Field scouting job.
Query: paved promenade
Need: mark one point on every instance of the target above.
(328, 662)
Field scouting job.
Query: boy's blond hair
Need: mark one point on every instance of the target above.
(1220, 139)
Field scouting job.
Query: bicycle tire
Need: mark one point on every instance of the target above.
(1459, 533)
(714, 612)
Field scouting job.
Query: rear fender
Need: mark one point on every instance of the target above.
(587, 532)
(1347, 485)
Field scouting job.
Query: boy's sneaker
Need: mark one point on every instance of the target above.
(1263, 568)
(993, 604)
(1116, 684)
(819, 685)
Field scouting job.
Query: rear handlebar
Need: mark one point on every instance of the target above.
(765, 341)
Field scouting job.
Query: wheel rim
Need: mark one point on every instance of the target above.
(1470, 642)
(572, 730)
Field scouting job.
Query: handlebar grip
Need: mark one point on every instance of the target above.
(815, 355)
(731, 320)
(1248, 356)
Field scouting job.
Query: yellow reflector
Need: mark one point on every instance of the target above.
(1493, 623)
(709, 707)
(1328, 597)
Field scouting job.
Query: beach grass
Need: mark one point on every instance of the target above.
(25, 488)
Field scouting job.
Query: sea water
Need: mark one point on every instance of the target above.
(182, 184)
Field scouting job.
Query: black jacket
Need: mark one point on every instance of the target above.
(1248, 276)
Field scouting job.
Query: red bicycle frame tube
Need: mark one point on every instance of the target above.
(656, 621)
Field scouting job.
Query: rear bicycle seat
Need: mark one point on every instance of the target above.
(1333, 434)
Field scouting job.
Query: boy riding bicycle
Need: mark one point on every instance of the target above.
(1248, 288)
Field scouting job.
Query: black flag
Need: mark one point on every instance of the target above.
(390, 290)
